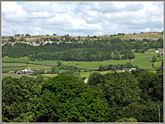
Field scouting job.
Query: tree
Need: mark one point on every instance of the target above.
(16, 96)
(66, 99)
(27, 34)
(153, 59)
(53, 69)
(11, 39)
(101, 68)
(116, 57)
(95, 78)
(128, 65)
(137, 51)
(145, 80)
(142, 51)
(59, 63)
(144, 112)
(121, 89)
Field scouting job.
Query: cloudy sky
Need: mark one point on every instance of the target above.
(80, 18)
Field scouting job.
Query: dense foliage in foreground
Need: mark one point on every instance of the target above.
(113, 97)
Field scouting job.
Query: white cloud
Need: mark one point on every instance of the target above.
(81, 18)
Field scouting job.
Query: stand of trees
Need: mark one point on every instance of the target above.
(117, 67)
(89, 50)
(113, 97)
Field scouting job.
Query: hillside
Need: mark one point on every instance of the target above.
(122, 36)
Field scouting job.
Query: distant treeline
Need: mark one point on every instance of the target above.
(87, 50)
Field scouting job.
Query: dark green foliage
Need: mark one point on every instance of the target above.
(128, 65)
(59, 63)
(101, 68)
(146, 112)
(142, 51)
(36, 72)
(119, 97)
(121, 89)
(11, 39)
(95, 78)
(117, 67)
(153, 59)
(90, 50)
(17, 95)
(116, 57)
(151, 85)
(65, 67)
(53, 68)
(65, 99)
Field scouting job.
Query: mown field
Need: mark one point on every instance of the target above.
(143, 60)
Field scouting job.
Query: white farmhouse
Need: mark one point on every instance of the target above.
(156, 51)
(132, 69)
(86, 80)
(27, 71)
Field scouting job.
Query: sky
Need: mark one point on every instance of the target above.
(80, 18)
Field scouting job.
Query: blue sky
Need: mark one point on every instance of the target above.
(81, 18)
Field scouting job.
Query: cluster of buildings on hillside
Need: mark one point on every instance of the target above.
(25, 71)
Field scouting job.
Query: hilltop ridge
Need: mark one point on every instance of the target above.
(136, 36)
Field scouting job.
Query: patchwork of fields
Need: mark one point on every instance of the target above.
(143, 60)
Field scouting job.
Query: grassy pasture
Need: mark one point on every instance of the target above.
(87, 74)
(15, 75)
(6, 65)
(15, 60)
(49, 75)
(94, 64)
(38, 67)
(12, 68)
(80, 64)
(45, 62)
(143, 60)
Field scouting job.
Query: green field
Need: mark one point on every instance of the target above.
(39, 67)
(143, 60)
(94, 64)
(12, 68)
(86, 74)
(7, 65)
(15, 60)
(15, 75)
(49, 75)
(80, 64)
(45, 62)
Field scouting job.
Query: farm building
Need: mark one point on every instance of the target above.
(11, 72)
(132, 69)
(19, 72)
(27, 71)
(86, 80)
(161, 52)
(156, 51)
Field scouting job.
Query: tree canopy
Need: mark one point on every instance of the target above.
(66, 99)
